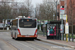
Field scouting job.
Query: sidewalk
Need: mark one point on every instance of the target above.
(5, 30)
(57, 42)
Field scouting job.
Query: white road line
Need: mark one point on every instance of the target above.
(25, 45)
(67, 48)
(30, 46)
(60, 47)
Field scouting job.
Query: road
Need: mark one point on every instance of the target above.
(7, 43)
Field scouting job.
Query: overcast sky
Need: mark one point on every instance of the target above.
(34, 2)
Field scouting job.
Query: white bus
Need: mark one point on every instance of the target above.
(24, 28)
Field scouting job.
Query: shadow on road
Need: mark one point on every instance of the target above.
(25, 39)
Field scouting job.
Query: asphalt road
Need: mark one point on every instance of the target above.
(7, 43)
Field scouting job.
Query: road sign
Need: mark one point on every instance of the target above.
(62, 16)
(62, 11)
(66, 28)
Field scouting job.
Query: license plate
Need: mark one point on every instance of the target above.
(26, 36)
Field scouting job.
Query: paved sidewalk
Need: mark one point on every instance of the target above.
(5, 30)
(57, 42)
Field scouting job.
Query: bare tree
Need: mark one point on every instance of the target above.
(23, 11)
(46, 11)
(5, 10)
(29, 7)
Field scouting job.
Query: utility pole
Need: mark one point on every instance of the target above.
(56, 8)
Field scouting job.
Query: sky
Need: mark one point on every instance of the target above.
(34, 2)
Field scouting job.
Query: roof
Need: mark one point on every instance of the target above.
(54, 22)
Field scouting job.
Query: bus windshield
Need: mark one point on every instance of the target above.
(27, 23)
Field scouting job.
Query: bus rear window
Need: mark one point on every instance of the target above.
(27, 23)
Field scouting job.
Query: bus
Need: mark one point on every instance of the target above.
(24, 28)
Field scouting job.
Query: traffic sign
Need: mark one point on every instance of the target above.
(62, 11)
(62, 16)
(66, 28)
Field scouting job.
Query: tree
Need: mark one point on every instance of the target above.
(23, 11)
(46, 11)
(5, 10)
(29, 6)
(26, 9)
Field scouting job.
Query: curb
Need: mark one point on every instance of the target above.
(56, 43)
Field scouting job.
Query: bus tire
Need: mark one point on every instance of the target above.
(16, 38)
(12, 35)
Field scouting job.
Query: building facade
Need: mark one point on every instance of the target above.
(69, 10)
(69, 6)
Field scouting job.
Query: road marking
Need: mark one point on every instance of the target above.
(9, 44)
(42, 47)
(60, 47)
(67, 48)
(26, 46)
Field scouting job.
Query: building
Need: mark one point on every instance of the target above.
(70, 11)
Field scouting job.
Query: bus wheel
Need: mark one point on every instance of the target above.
(16, 38)
(12, 35)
